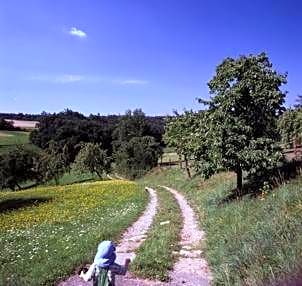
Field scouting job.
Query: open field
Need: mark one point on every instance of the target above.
(13, 137)
(47, 232)
(9, 139)
(24, 124)
(250, 241)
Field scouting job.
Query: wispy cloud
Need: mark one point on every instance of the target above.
(66, 78)
(132, 82)
(63, 78)
(77, 32)
(88, 79)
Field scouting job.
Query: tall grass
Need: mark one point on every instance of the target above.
(251, 241)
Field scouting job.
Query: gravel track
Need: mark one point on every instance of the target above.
(191, 269)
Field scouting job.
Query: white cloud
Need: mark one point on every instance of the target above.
(77, 32)
(132, 82)
(63, 78)
(92, 79)
(66, 78)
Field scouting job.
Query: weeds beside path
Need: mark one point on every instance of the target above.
(251, 241)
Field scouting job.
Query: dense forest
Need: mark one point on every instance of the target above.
(129, 144)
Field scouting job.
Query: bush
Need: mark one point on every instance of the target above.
(16, 166)
(134, 158)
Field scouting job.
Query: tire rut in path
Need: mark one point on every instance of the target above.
(191, 269)
(131, 240)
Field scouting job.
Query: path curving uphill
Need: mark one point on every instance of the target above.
(131, 240)
(191, 269)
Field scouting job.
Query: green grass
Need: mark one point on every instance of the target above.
(73, 177)
(46, 232)
(155, 257)
(13, 137)
(68, 178)
(253, 241)
(9, 139)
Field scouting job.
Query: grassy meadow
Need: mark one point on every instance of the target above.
(251, 241)
(46, 232)
(9, 139)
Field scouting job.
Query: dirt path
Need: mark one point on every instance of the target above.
(131, 240)
(191, 269)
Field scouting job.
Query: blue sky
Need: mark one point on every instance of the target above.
(108, 56)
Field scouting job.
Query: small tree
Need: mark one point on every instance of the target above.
(16, 167)
(134, 158)
(92, 158)
(290, 126)
(49, 165)
(242, 117)
(179, 134)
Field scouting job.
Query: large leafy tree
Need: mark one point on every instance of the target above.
(240, 130)
(134, 158)
(135, 151)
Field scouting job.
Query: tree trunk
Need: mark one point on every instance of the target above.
(180, 161)
(19, 187)
(98, 173)
(187, 167)
(239, 179)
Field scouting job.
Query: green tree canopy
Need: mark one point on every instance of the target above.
(134, 158)
(132, 124)
(290, 126)
(51, 163)
(240, 128)
(180, 134)
(92, 158)
(16, 166)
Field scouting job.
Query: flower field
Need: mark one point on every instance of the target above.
(46, 232)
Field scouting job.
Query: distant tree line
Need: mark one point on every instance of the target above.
(242, 129)
(128, 144)
(21, 116)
